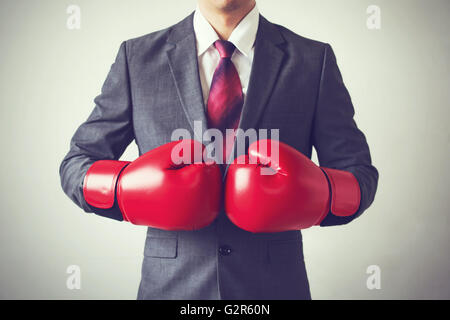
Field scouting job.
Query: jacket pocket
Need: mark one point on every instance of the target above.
(159, 247)
(284, 251)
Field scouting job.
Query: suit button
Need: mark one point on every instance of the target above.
(224, 250)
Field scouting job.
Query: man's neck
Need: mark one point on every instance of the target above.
(224, 20)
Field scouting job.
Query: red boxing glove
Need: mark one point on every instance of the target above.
(169, 187)
(296, 195)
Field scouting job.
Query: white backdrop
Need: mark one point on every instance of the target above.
(398, 77)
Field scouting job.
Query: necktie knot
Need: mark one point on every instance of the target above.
(225, 48)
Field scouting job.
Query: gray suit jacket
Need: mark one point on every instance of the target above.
(153, 88)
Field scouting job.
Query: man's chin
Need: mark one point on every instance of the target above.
(229, 5)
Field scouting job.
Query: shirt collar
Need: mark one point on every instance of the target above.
(243, 36)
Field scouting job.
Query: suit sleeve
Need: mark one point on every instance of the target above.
(103, 136)
(338, 141)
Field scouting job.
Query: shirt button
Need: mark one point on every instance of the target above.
(224, 250)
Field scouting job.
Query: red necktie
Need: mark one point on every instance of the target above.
(225, 98)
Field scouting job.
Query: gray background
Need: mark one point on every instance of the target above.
(398, 77)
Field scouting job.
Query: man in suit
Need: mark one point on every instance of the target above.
(164, 81)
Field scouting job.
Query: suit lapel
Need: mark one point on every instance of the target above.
(267, 62)
(182, 58)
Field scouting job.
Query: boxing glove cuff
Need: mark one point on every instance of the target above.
(100, 181)
(345, 192)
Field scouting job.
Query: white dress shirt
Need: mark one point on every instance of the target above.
(243, 38)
